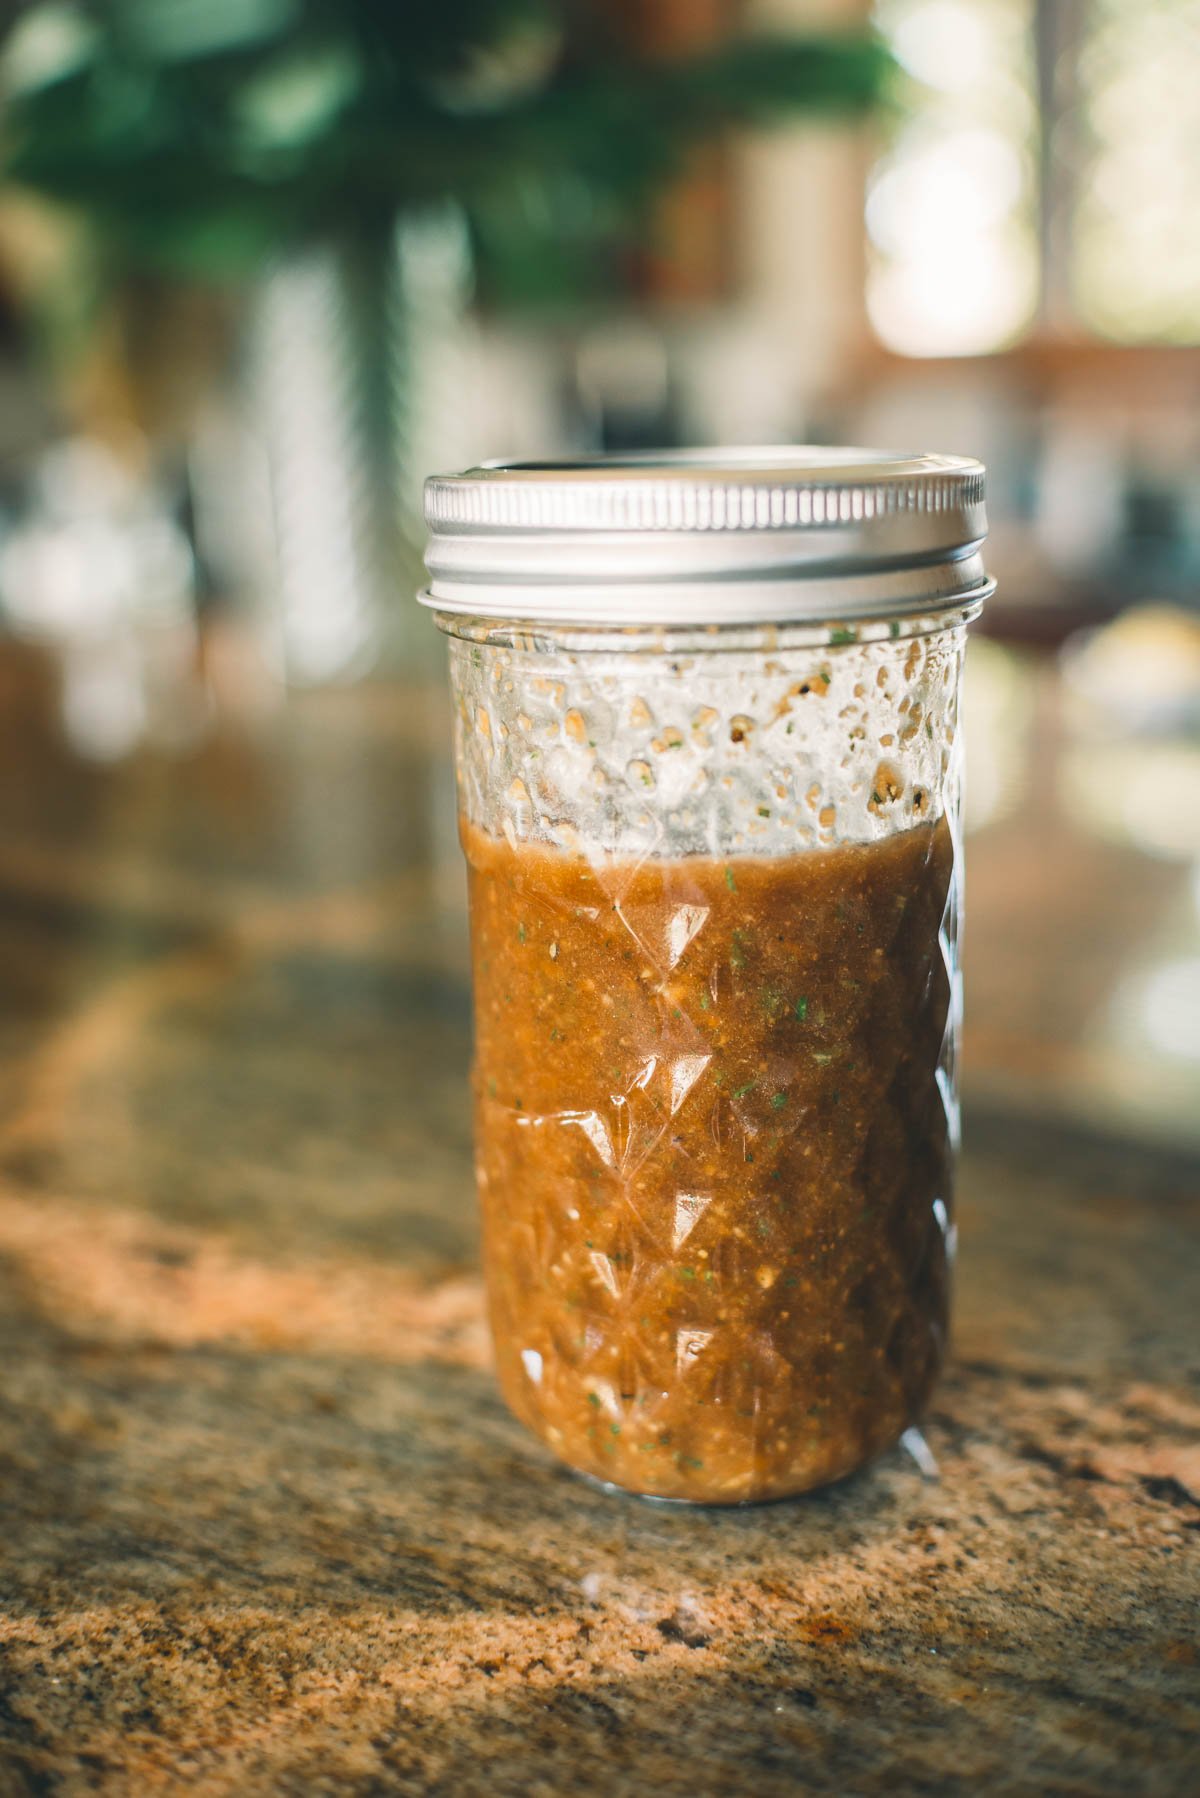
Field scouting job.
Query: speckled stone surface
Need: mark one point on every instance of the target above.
(264, 1523)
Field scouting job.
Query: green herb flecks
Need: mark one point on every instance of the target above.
(730, 882)
(778, 1101)
(842, 634)
(802, 1008)
(739, 1092)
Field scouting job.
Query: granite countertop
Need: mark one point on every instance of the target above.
(265, 1525)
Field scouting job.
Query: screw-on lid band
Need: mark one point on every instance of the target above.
(708, 536)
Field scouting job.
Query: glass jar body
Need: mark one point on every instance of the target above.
(714, 881)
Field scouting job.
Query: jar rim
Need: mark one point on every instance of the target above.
(723, 535)
(573, 638)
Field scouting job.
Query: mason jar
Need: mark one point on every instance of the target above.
(708, 758)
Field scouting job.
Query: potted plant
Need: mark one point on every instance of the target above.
(294, 160)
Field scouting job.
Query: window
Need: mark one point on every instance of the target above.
(1046, 176)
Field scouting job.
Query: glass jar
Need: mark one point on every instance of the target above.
(708, 765)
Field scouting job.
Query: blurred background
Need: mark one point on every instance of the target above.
(264, 264)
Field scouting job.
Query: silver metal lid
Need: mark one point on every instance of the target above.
(722, 536)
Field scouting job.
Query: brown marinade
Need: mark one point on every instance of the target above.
(713, 1155)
